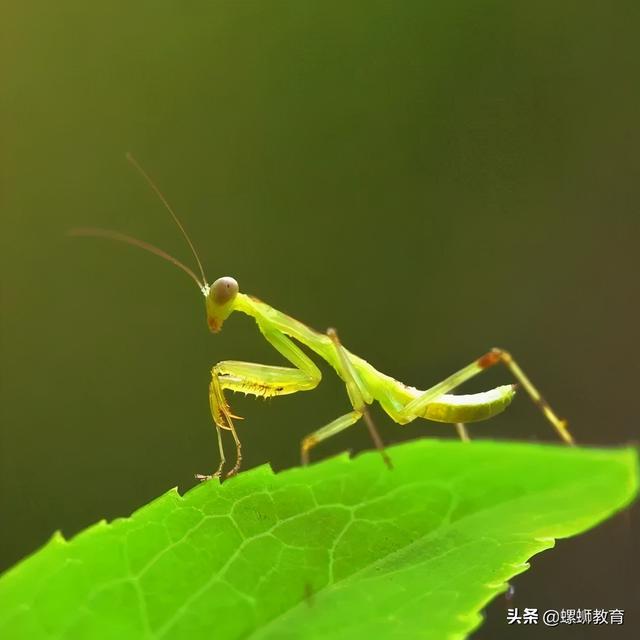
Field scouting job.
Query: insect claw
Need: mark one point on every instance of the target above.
(227, 412)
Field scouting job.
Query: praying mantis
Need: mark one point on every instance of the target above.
(364, 384)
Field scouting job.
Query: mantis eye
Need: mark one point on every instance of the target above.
(224, 290)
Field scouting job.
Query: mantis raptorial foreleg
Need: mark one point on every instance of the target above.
(260, 380)
(359, 397)
(416, 407)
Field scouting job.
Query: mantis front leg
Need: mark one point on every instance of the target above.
(260, 380)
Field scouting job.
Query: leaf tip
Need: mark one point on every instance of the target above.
(58, 538)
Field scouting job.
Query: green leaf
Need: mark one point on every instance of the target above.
(342, 549)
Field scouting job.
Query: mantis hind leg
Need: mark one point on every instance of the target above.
(462, 432)
(260, 380)
(418, 406)
(359, 397)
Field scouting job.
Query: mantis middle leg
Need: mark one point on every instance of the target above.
(359, 397)
(260, 380)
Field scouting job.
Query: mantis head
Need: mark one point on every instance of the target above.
(219, 296)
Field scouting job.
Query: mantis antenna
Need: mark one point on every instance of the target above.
(165, 202)
(141, 244)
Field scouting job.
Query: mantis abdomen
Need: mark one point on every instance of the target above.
(470, 408)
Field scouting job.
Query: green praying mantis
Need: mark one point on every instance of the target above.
(364, 384)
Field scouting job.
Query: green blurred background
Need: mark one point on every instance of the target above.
(432, 178)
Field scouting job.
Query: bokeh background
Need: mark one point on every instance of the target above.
(432, 178)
